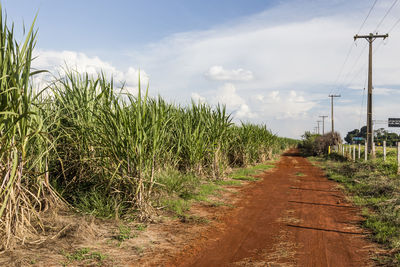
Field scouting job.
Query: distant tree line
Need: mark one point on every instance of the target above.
(380, 135)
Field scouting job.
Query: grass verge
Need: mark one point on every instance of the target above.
(375, 187)
(181, 191)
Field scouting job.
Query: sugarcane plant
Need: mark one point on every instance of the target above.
(25, 189)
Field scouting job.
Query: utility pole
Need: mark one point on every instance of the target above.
(370, 38)
(323, 123)
(333, 125)
(318, 125)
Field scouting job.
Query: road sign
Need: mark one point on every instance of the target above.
(358, 138)
(394, 122)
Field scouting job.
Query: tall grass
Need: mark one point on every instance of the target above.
(116, 143)
(102, 148)
(24, 148)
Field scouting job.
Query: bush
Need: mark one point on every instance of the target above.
(315, 144)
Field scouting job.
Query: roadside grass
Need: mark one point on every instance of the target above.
(124, 233)
(84, 256)
(247, 174)
(375, 187)
(179, 191)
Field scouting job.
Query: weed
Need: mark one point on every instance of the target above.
(97, 204)
(138, 249)
(177, 206)
(124, 233)
(193, 219)
(228, 182)
(205, 190)
(247, 174)
(84, 254)
(140, 227)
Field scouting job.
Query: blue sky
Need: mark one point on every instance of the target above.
(272, 62)
(101, 25)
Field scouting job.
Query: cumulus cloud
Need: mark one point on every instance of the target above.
(57, 62)
(287, 105)
(218, 73)
(228, 96)
(197, 98)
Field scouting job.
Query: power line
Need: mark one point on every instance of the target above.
(352, 45)
(353, 66)
(369, 13)
(382, 41)
(387, 13)
(394, 26)
(378, 46)
(362, 101)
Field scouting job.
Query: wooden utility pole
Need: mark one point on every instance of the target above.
(333, 125)
(323, 123)
(370, 38)
(318, 125)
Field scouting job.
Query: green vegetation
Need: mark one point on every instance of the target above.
(98, 148)
(375, 186)
(124, 233)
(380, 135)
(315, 144)
(84, 254)
(247, 174)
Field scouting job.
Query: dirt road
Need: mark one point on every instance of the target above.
(294, 216)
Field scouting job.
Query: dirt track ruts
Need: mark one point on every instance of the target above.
(294, 216)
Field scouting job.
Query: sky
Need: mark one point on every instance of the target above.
(269, 62)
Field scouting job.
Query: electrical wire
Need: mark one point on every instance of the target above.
(369, 13)
(362, 101)
(382, 41)
(353, 66)
(387, 13)
(351, 47)
(394, 26)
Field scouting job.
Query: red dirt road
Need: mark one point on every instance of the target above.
(294, 216)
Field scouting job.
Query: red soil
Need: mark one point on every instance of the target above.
(294, 216)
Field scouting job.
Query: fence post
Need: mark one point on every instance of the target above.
(354, 153)
(329, 150)
(343, 150)
(384, 151)
(373, 150)
(366, 151)
(359, 151)
(398, 157)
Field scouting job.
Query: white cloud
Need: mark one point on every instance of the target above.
(57, 62)
(286, 105)
(198, 98)
(228, 95)
(385, 91)
(218, 73)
